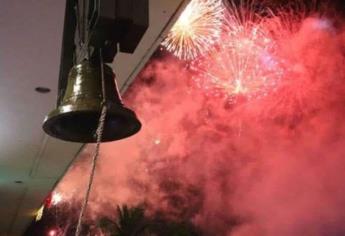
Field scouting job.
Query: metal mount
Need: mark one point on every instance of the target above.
(114, 25)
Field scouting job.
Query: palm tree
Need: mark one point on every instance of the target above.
(130, 222)
(133, 222)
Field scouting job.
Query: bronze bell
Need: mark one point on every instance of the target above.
(77, 116)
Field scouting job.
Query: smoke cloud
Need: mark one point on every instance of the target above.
(265, 167)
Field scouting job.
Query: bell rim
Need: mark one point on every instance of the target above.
(123, 112)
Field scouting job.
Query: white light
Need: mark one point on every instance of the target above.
(52, 232)
(157, 141)
(56, 198)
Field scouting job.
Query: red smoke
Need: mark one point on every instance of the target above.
(273, 166)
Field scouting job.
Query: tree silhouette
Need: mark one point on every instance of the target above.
(133, 222)
(129, 222)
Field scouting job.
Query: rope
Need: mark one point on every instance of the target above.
(83, 27)
(99, 133)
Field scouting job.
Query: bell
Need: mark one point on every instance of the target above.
(77, 116)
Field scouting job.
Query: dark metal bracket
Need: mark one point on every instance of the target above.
(116, 25)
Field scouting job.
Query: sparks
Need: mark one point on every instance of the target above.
(39, 213)
(56, 198)
(52, 232)
(244, 63)
(157, 141)
(196, 30)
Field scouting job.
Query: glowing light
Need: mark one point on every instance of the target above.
(157, 141)
(52, 232)
(196, 30)
(56, 198)
(244, 63)
(39, 213)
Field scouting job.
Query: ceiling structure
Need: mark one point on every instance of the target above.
(31, 163)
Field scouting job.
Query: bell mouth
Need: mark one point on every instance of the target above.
(80, 126)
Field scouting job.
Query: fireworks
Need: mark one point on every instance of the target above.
(39, 213)
(244, 63)
(196, 30)
(52, 232)
(56, 198)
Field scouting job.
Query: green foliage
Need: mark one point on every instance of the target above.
(133, 222)
(130, 222)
